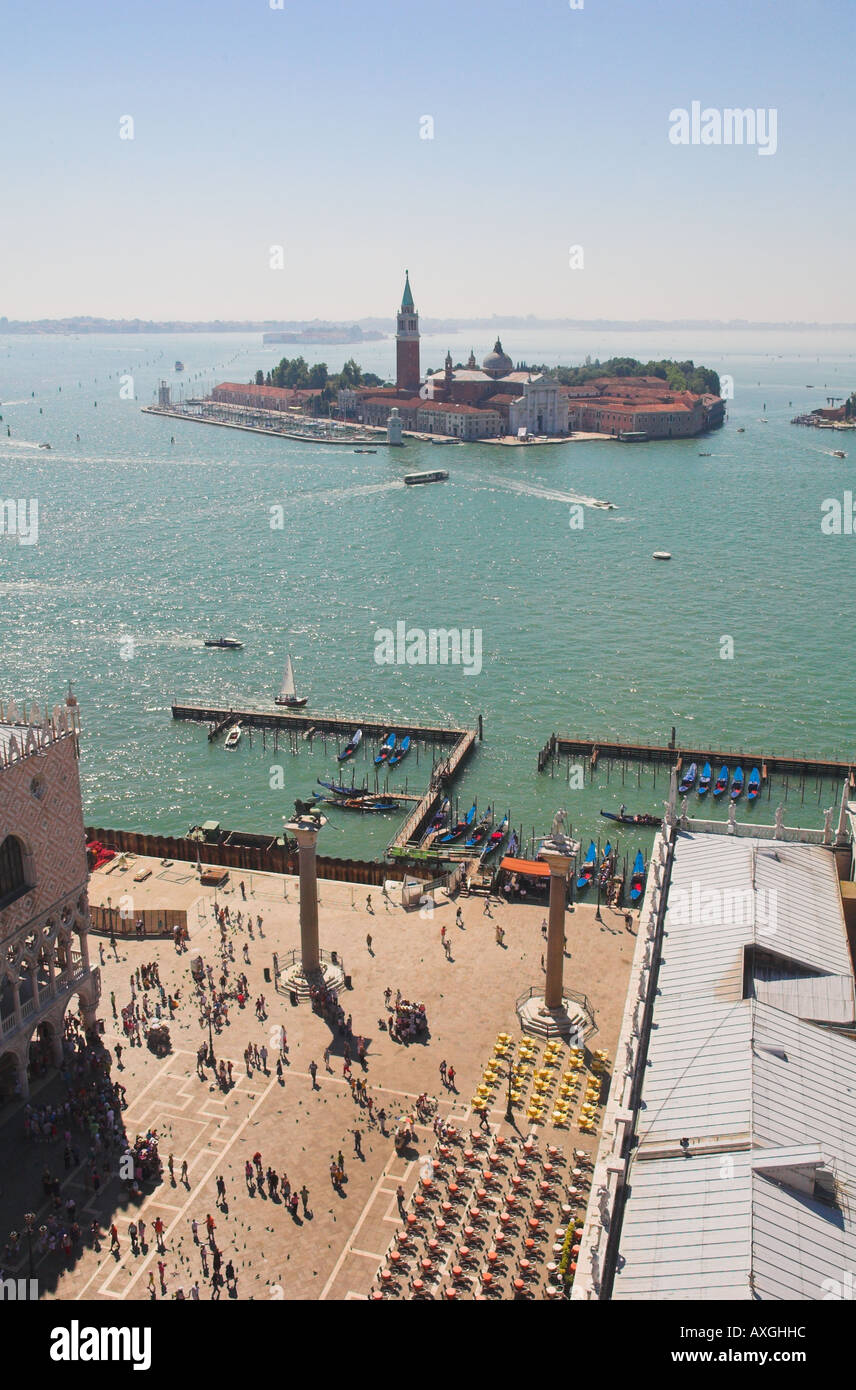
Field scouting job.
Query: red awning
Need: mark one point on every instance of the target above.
(532, 868)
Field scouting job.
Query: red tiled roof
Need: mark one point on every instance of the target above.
(267, 393)
(456, 407)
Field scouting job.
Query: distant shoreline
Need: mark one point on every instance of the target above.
(86, 326)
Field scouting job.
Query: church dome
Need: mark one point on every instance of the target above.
(497, 363)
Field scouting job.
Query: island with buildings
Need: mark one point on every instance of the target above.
(493, 400)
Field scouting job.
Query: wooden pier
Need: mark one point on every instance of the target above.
(673, 755)
(298, 721)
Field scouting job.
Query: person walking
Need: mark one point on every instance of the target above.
(243, 890)
(358, 1143)
(313, 1072)
(114, 1238)
(184, 1178)
(443, 1072)
(399, 1197)
(381, 1119)
(369, 943)
(450, 1078)
(112, 998)
(194, 1226)
(263, 1053)
(459, 919)
(304, 1197)
(327, 1058)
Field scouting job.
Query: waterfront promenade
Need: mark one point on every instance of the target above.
(334, 1251)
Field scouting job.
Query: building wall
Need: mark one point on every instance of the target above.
(44, 951)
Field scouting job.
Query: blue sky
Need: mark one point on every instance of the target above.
(300, 127)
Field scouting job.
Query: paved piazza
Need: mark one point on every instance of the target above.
(336, 1250)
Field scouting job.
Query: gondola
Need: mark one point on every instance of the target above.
(363, 803)
(688, 780)
(341, 790)
(721, 784)
(456, 831)
(753, 786)
(587, 867)
(496, 837)
(737, 784)
(480, 832)
(606, 864)
(704, 780)
(627, 819)
(437, 823)
(399, 752)
(350, 750)
(637, 878)
(385, 750)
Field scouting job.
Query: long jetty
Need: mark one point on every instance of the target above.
(255, 422)
(674, 755)
(459, 742)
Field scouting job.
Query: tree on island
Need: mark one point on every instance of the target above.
(679, 376)
(297, 375)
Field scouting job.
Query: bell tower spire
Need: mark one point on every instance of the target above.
(407, 342)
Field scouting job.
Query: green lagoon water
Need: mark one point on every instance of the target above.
(583, 633)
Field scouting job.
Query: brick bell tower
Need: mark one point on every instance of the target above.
(407, 343)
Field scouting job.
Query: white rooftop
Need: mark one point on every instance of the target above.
(758, 1199)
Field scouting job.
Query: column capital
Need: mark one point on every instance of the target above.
(305, 830)
(558, 855)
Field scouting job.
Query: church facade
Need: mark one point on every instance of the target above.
(465, 402)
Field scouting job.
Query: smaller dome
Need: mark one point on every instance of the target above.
(497, 363)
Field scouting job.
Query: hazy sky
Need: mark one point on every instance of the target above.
(256, 127)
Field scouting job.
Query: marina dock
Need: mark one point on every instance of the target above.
(456, 744)
(598, 750)
(270, 422)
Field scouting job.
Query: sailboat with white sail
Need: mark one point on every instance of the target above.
(288, 693)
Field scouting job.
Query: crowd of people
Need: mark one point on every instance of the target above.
(88, 1124)
(142, 1015)
(408, 1019)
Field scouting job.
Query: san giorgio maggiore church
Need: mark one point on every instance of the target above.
(469, 402)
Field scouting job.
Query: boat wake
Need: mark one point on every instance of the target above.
(336, 494)
(550, 494)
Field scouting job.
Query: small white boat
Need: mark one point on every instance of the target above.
(233, 738)
(287, 693)
(838, 454)
(662, 555)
